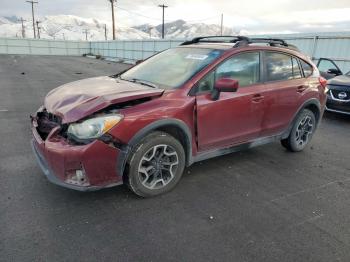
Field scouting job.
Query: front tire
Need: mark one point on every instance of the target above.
(302, 131)
(156, 165)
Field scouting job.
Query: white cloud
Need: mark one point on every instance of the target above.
(252, 15)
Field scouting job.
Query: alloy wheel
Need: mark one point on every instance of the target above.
(158, 166)
(304, 131)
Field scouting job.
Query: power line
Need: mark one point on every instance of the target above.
(134, 13)
(166, 20)
(32, 3)
(163, 8)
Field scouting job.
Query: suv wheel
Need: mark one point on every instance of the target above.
(156, 165)
(302, 131)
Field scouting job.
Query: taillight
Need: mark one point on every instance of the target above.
(323, 81)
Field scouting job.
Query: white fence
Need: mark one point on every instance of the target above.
(335, 46)
(43, 47)
(316, 46)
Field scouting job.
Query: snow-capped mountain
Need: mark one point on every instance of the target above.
(182, 29)
(69, 27)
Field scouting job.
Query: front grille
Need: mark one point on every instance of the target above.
(339, 94)
(46, 122)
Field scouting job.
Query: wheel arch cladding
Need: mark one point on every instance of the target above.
(174, 127)
(314, 108)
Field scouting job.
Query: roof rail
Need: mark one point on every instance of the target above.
(216, 39)
(273, 42)
(270, 41)
(240, 41)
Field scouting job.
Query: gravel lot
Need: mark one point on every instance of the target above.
(264, 204)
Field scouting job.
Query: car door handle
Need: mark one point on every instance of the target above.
(301, 88)
(257, 98)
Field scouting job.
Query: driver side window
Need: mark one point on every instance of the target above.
(244, 67)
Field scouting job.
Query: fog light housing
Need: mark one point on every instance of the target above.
(77, 177)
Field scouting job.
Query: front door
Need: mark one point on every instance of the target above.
(236, 116)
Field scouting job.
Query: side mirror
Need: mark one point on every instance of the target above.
(334, 71)
(224, 85)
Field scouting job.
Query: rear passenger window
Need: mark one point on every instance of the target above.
(296, 69)
(278, 66)
(306, 68)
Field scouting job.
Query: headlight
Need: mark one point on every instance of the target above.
(94, 127)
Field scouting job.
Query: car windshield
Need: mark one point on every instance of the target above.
(173, 67)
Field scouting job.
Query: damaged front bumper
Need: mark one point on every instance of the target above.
(80, 167)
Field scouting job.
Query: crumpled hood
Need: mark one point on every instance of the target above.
(79, 99)
(343, 80)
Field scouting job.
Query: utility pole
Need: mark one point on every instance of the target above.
(113, 20)
(23, 28)
(105, 32)
(32, 3)
(222, 23)
(38, 27)
(86, 34)
(163, 7)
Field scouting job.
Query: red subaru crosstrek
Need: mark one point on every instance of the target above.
(208, 97)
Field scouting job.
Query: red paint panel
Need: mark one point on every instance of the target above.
(231, 119)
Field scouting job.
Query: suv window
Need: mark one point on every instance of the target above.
(278, 66)
(244, 67)
(173, 67)
(306, 68)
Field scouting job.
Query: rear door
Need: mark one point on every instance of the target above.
(284, 86)
(235, 117)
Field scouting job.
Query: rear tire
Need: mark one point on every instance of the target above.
(156, 165)
(302, 131)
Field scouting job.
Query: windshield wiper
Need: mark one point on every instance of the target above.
(140, 81)
(144, 82)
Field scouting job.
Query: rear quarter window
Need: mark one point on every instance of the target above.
(307, 68)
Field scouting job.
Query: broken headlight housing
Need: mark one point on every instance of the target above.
(93, 127)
